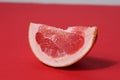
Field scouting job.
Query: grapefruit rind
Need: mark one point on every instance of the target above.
(89, 37)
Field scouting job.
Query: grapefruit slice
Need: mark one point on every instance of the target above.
(58, 47)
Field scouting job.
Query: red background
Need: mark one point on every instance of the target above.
(17, 61)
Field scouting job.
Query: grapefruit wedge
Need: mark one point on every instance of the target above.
(59, 47)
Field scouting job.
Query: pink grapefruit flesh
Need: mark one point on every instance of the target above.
(55, 42)
(57, 47)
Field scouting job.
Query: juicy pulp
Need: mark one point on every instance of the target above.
(57, 42)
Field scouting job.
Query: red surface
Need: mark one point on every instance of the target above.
(17, 61)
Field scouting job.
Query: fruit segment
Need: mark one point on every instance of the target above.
(57, 47)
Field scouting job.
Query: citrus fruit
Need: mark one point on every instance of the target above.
(61, 47)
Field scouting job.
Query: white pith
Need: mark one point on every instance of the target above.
(63, 61)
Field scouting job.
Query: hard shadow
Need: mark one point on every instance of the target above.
(90, 63)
